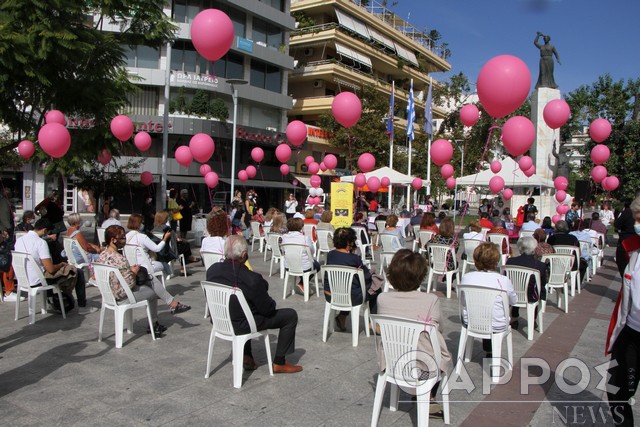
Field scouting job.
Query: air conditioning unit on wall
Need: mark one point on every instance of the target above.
(308, 51)
(318, 83)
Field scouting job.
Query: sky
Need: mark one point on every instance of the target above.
(592, 37)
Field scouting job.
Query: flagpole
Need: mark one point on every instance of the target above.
(429, 130)
(410, 118)
(390, 129)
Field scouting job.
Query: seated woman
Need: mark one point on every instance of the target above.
(391, 228)
(405, 273)
(428, 222)
(28, 218)
(279, 223)
(543, 247)
(445, 236)
(344, 241)
(295, 235)
(218, 228)
(486, 258)
(268, 218)
(115, 240)
(360, 221)
(136, 237)
(325, 224)
(475, 232)
(175, 244)
(547, 225)
(309, 219)
(74, 232)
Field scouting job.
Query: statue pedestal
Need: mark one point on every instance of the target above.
(541, 151)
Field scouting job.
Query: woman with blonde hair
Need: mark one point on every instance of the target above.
(74, 232)
(475, 232)
(391, 228)
(279, 223)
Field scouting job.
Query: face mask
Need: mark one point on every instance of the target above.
(636, 228)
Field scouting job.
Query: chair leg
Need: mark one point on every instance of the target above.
(270, 266)
(429, 280)
(327, 321)
(394, 394)
(184, 265)
(317, 286)
(151, 328)
(64, 314)
(461, 349)
(367, 319)
(238, 347)
(530, 320)
(212, 340)
(18, 304)
(32, 306)
(286, 282)
(566, 298)
(101, 324)
(267, 349)
(449, 277)
(445, 399)
(381, 384)
(305, 281)
(422, 408)
(355, 326)
(281, 261)
(496, 349)
(119, 319)
(128, 321)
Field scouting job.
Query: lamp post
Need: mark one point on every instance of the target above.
(161, 203)
(455, 191)
(234, 94)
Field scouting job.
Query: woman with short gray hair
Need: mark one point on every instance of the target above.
(92, 250)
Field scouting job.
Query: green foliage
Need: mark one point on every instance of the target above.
(199, 105)
(219, 110)
(303, 20)
(118, 179)
(179, 102)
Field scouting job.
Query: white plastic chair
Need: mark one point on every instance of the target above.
(575, 274)
(133, 253)
(559, 276)
(293, 259)
(81, 264)
(273, 240)
(599, 242)
(484, 231)
(364, 247)
(19, 262)
(399, 339)
(380, 226)
(479, 303)
(340, 279)
(255, 229)
(19, 234)
(218, 299)
(499, 240)
(323, 243)
(424, 237)
(209, 258)
(468, 246)
(385, 260)
(100, 233)
(525, 233)
(416, 236)
(123, 310)
(308, 230)
(520, 277)
(438, 255)
(390, 242)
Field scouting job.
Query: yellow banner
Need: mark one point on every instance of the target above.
(342, 204)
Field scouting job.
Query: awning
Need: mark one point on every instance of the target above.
(352, 23)
(405, 53)
(381, 38)
(353, 54)
(185, 179)
(303, 179)
(258, 183)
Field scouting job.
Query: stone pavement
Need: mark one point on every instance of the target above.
(55, 372)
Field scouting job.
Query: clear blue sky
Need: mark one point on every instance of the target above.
(592, 37)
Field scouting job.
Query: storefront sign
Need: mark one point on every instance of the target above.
(316, 132)
(261, 136)
(179, 78)
(150, 126)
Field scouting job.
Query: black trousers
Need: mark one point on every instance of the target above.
(285, 319)
(621, 258)
(625, 375)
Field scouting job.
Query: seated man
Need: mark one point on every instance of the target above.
(531, 224)
(114, 219)
(563, 238)
(233, 272)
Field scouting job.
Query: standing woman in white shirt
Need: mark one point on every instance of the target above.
(606, 215)
(290, 206)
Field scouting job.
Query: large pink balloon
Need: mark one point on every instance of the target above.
(205, 169)
(373, 183)
(610, 183)
(283, 153)
(446, 171)
(503, 85)
(360, 180)
(496, 166)
(313, 168)
(251, 171)
(243, 175)
(598, 173)
(184, 156)
(441, 151)
(556, 113)
(26, 149)
(212, 34)
(142, 141)
(563, 208)
(450, 183)
(366, 161)
(146, 178)
(385, 181)
(330, 161)
(496, 184)
(561, 195)
(296, 132)
(469, 115)
(284, 169)
(257, 154)
(600, 154)
(211, 179)
(560, 183)
(416, 183)
(54, 139)
(55, 116)
(600, 129)
(346, 109)
(202, 147)
(530, 172)
(104, 157)
(518, 134)
(507, 193)
(323, 167)
(525, 162)
(308, 160)
(316, 181)
(122, 127)
(556, 218)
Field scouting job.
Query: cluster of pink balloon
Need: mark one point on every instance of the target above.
(54, 137)
(599, 130)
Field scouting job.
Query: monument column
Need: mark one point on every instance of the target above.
(541, 151)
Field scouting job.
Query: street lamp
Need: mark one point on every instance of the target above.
(234, 95)
(455, 191)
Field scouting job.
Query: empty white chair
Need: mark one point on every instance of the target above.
(575, 274)
(273, 240)
(308, 230)
(380, 226)
(521, 277)
(122, 310)
(424, 237)
(19, 263)
(255, 229)
(390, 242)
(365, 249)
(218, 299)
(340, 280)
(100, 233)
(438, 255)
(500, 240)
(293, 259)
(468, 246)
(136, 255)
(400, 344)
(323, 243)
(479, 303)
(559, 277)
(209, 258)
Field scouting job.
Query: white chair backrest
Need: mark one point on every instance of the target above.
(323, 239)
(273, 240)
(19, 262)
(136, 255)
(571, 250)
(361, 235)
(600, 242)
(380, 225)
(266, 229)
(560, 265)
(498, 239)
(19, 234)
(416, 230)
(484, 231)
(100, 233)
(390, 242)
(308, 230)
(521, 277)
(468, 246)
(438, 255)
(340, 280)
(425, 236)
(293, 256)
(255, 228)
(586, 247)
(218, 297)
(210, 258)
(103, 274)
(480, 306)
(525, 233)
(69, 243)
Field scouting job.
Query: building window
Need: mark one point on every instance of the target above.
(266, 34)
(230, 66)
(276, 4)
(142, 57)
(185, 58)
(145, 101)
(185, 10)
(266, 76)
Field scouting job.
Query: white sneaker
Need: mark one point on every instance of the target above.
(13, 297)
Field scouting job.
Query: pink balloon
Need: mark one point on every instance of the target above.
(441, 151)
(122, 127)
(600, 130)
(556, 218)
(507, 193)
(610, 183)
(242, 175)
(373, 183)
(142, 141)
(346, 109)
(54, 139)
(360, 180)
(251, 171)
(503, 85)
(556, 113)
(296, 132)
(451, 183)
(316, 181)
(416, 183)
(284, 169)
(598, 173)
(211, 179)
(205, 169)
(518, 134)
(530, 172)
(313, 168)
(308, 160)
(283, 153)
(104, 157)
(560, 183)
(446, 171)
(561, 195)
(202, 147)
(184, 156)
(366, 161)
(469, 115)
(600, 154)
(257, 154)
(496, 184)
(26, 149)
(563, 208)
(330, 161)
(146, 178)
(496, 166)
(385, 181)
(323, 167)
(55, 116)
(525, 162)
(212, 34)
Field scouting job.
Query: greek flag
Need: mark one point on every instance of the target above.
(391, 112)
(411, 114)
(428, 114)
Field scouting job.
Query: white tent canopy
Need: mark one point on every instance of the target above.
(394, 176)
(510, 172)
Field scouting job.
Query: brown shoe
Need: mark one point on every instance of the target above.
(287, 368)
(341, 322)
(249, 364)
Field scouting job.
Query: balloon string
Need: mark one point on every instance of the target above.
(130, 192)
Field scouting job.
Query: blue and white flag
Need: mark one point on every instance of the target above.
(428, 114)
(390, 114)
(411, 114)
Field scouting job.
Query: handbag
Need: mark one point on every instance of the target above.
(143, 278)
(177, 216)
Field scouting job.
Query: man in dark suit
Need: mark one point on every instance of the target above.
(527, 249)
(233, 272)
(561, 237)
